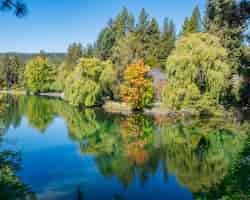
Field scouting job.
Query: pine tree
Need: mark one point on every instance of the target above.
(73, 54)
(228, 19)
(195, 21)
(143, 21)
(123, 23)
(223, 19)
(152, 42)
(192, 24)
(186, 26)
(105, 42)
(167, 41)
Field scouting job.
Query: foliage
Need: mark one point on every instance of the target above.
(20, 8)
(123, 42)
(11, 187)
(196, 70)
(73, 54)
(192, 24)
(11, 72)
(40, 75)
(137, 89)
(167, 42)
(91, 80)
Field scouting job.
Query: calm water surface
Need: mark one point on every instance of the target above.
(89, 154)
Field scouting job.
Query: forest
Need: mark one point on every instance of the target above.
(206, 64)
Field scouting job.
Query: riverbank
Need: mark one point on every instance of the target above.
(52, 94)
(13, 92)
(157, 109)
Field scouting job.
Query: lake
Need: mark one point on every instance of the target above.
(50, 150)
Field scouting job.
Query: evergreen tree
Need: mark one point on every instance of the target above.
(105, 42)
(152, 42)
(73, 54)
(223, 19)
(123, 23)
(167, 41)
(15, 66)
(186, 26)
(228, 20)
(195, 20)
(143, 21)
(144, 29)
(89, 51)
(192, 24)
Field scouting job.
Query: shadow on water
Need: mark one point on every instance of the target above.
(135, 148)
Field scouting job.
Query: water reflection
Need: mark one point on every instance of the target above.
(11, 187)
(135, 148)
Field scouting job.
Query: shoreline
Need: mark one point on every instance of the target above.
(14, 92)
(115, 107)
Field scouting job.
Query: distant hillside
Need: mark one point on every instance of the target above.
(55, 58)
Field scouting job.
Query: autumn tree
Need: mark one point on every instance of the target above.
(137, 89)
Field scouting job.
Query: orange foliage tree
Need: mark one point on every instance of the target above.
(137, 89)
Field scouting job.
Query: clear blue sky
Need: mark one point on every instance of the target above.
(52, 25)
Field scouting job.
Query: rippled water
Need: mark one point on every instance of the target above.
(89, 154)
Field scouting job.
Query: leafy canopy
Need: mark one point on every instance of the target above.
(197, 70)
(40, 75)
(91, 80)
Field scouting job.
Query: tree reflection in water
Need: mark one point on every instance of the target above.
(11, 187)
(135, 147)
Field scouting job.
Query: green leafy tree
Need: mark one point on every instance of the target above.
(90, 82)
(40, 75)
(197, 72)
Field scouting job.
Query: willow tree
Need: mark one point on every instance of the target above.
(91, 80)
(197, 71)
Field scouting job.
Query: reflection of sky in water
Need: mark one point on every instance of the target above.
(53, 166)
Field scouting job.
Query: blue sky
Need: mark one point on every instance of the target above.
(52, 25)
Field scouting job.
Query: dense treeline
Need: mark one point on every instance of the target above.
(207, 63)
